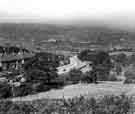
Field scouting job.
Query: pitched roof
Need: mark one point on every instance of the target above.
(9, 58)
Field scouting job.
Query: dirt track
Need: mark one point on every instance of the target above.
(88, 90)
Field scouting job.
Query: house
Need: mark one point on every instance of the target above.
(14, 61)
(75, 63)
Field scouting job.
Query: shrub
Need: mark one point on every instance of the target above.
(88, 78)
(81, 105)
(5, 90)
(75, 76)
(130, 77)
(112, 78)
(102, 76)
(8, 107)
(114, 104)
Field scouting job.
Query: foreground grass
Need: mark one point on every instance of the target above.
(79, 105)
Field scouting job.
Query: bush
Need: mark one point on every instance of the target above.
(130, 77)
(88, 78)
(114, 105)
(102, 76)
(103, 105)
(112, 78)
(75, 76)
(106, 77)
(5, 90)
(8, 107)
(79, 105)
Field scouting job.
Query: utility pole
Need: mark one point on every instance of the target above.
(32, 44)
(12, 85)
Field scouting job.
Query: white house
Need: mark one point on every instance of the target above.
(75, 63)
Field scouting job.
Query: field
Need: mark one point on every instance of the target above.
(87, 90)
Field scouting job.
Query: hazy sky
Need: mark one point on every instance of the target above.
(118, 12)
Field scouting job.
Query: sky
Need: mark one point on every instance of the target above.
(115, 12)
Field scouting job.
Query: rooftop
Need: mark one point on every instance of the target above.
(8, 58)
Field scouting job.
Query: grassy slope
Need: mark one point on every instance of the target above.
(88, 90)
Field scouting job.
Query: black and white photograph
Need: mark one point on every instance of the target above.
(67, 57)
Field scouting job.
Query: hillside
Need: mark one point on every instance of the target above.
(87, 90)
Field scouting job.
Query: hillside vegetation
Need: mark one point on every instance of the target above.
(79, 105)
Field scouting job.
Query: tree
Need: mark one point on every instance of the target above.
(75, 75)
(5, 90)
(102, 65)
(87, 55)
(121, 59)
(89, 77)
(118, 69)
(40, 72)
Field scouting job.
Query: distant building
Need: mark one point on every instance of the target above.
(118, 47)
(52, 40)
